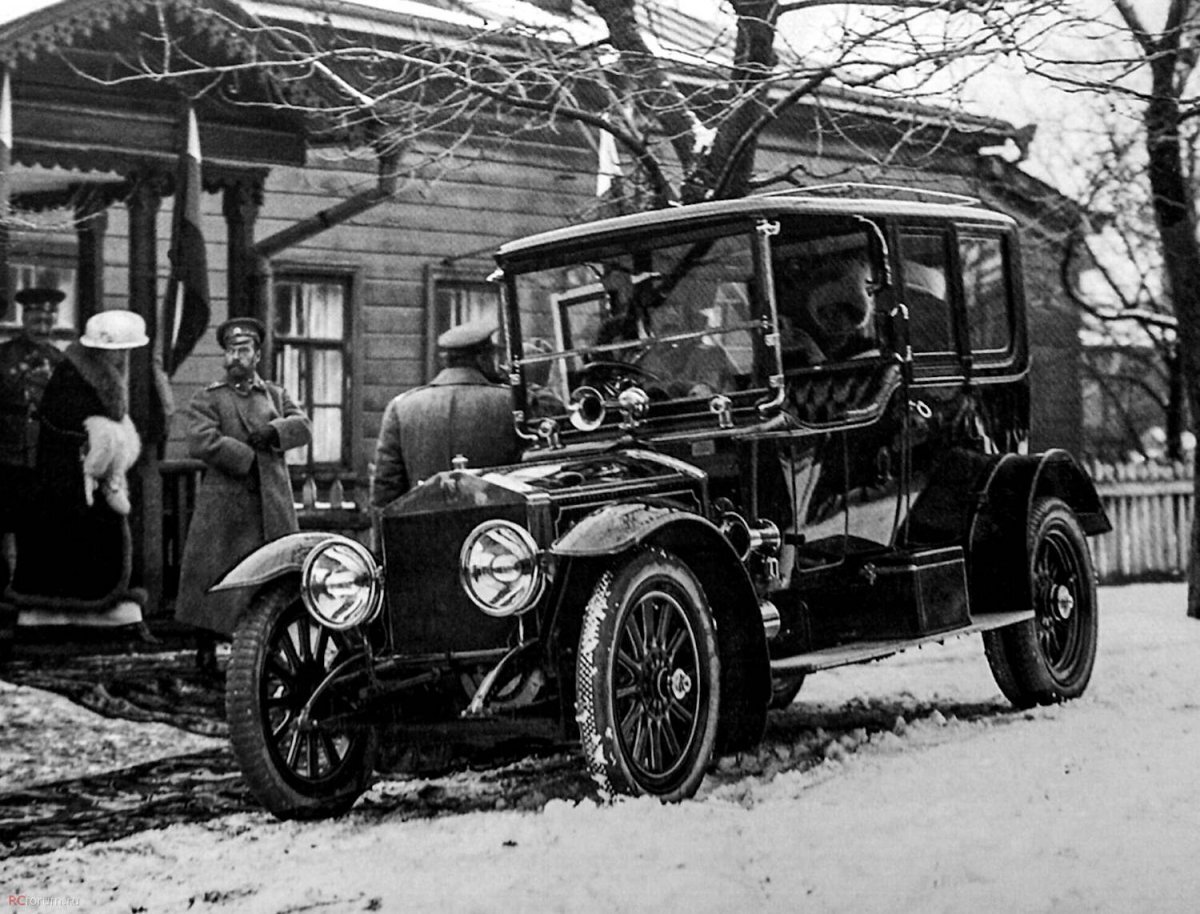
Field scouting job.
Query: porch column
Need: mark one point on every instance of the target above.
(91, 225)
(241, 203)
(144, 203)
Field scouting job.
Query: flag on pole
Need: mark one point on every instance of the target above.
(608, 164)
(186, 307)
(6, 119)
(6, 142)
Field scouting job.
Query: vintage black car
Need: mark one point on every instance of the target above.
(765, 437)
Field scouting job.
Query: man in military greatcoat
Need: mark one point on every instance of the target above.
(26, 363)
(240, 427)
(462, 411)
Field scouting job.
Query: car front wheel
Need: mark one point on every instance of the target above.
(648, 679)
(302, 745)
(1049, 659)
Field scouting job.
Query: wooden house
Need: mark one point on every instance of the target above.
(354, 272)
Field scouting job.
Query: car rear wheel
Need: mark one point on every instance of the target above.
(1049, 659)
(303, 747)
(648, 679)
(784, 690)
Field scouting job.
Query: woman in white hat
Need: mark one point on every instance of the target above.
(73, 565)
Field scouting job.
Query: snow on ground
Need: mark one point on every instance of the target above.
(1092, 806)
(46, 737)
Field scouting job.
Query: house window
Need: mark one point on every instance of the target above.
(312, 333)
(455, 300)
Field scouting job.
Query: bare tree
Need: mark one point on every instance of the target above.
(1147, 71)
(686, 120)
(1135, 334)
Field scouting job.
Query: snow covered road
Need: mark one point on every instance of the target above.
(906, 785)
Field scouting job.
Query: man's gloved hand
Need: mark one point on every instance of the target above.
(263, 439)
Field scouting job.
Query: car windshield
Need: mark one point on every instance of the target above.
(676, 320)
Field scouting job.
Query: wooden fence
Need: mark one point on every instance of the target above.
(1150, 506)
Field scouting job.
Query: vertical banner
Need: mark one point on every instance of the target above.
(186, 309)
(608, 164)
(6, 142)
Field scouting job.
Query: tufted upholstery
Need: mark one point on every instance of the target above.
(843, 394)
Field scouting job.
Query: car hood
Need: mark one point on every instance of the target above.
(619, 474)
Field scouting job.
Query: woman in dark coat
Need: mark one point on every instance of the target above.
(73, 563)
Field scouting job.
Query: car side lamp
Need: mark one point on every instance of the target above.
(722, 407)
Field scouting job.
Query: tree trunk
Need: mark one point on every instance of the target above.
(1176, 417)
(1175, 216)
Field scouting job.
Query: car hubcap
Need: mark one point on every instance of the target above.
(1064, 602)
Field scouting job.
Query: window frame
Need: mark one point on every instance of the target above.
(938, 365)
(437, 276)
(349, 276)
(983, 363)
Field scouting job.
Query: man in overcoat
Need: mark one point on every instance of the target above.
(241, 428)
(462, 411)
(26, 363)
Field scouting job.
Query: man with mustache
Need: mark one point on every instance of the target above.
(241, 428)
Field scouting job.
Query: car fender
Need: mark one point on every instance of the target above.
(281, 556)
(1017, 480)
(997, 538)
(616, 528)
(745, 664)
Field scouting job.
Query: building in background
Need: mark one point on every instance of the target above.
(354, 273)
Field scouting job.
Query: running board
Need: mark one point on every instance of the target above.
(863, 651)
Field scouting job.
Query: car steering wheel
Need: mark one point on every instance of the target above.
(610, 376)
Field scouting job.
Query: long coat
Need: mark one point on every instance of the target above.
(243, 502)
(26, 365)
(459, 412)
(73, 556)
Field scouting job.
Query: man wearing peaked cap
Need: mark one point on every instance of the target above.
(241, 330)
(26, 363)
(462, 411)
(471, 335)
(241, 427)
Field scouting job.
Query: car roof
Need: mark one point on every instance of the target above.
(797, 203)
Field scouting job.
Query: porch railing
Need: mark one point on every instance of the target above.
(1150, 506)
(337, 503)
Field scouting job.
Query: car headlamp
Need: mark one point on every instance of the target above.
(499, 568)
(339, 584)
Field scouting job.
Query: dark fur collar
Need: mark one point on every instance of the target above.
(102, 377)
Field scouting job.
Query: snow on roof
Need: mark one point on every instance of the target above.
(15, 9)
(398, 16)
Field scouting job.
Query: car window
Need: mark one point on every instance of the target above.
(926, 292)
(824, 290)
(985, 292)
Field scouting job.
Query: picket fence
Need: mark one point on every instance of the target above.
(1150, 507)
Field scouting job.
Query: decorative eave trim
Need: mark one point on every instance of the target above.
(54, 27)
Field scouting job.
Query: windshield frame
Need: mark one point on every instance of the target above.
(677, 412)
